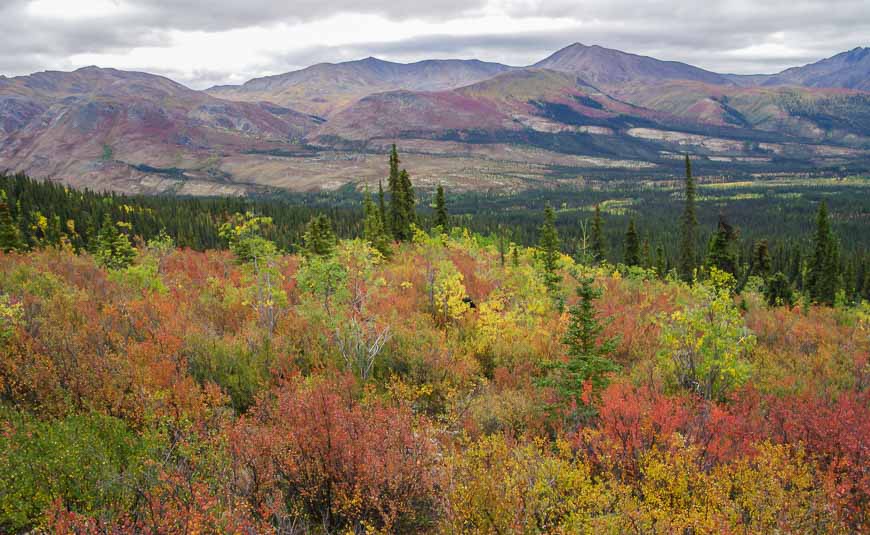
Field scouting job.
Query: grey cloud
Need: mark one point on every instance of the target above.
(709, 35)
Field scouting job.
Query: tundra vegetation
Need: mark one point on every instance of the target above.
(391, 375)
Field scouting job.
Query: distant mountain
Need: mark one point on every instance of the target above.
(325, 88)
(849, 70)
(604, 66)
(480, 125)
(97, 125)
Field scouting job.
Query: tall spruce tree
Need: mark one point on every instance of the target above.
(688, 228)
(549, 251)
(823, 276)
(409, 208)
(597, 236)
(397, 202)
(631, 246)
(441, 209)
(10, 235)
(382, 205)
(373, 227)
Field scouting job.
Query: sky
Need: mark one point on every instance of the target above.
(202, 43)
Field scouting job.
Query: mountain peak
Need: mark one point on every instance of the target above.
(599, 65)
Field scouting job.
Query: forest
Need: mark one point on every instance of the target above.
(393, 361)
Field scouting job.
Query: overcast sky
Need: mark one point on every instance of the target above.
(201, 43)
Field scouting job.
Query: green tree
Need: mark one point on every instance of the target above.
(382, 206)
(705, 345)
(688, 228)
(588, 353)
(549, 249)
(10, 235)
(373, 227)
(761, 259)
(723, 248)
(441, 209)
(113, 247)
(631, 245)
(319, 239)
(599, 249)
(823, 276)
(778, 290)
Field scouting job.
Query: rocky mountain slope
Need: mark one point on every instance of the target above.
(585, 109)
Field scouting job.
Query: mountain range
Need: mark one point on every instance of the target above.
(583, 111)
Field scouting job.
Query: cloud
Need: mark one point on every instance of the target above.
(226, 41)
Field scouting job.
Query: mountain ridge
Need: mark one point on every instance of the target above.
(581, 109)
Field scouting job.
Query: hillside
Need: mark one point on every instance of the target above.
(110, 128)
(450, 383)
(601, 66)
(326, 88)
(849, 70)
(484, 125)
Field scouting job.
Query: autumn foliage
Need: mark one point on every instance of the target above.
(354, 392)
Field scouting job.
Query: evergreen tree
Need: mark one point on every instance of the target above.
(549, 247)
(631, 256)
(778, 290)
(688, 229)
(113, 249)
(587, 353)
(598, 247)
(402, 200)
(823, 276)
(10, 235)
(382, 206)
(373, 228)
(661, 267)
(397, 201)
(723, 244)
(441, 209)
(409, 204)
(645, 256)
(319, 239)
(761, 259)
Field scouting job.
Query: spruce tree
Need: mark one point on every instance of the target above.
(688, 228)
(113, 249)
(761, 259)
(549, 248)
(598, 247)
(10, 235)
(373, 228)
(382, 206)
(778, 290)
(409, 210)
(661, 268)
(631, 256)
(319, 239)
(823, 276)
(441, 209)
(587, 352)
(397, 201)
(723, 244)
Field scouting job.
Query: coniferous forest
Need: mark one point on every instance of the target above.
(681, 356)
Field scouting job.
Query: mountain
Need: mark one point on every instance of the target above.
(324, 88)
(103, 127)
(465, 123)
(604, 67)
(849, 70)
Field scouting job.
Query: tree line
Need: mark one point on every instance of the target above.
(35, 214)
